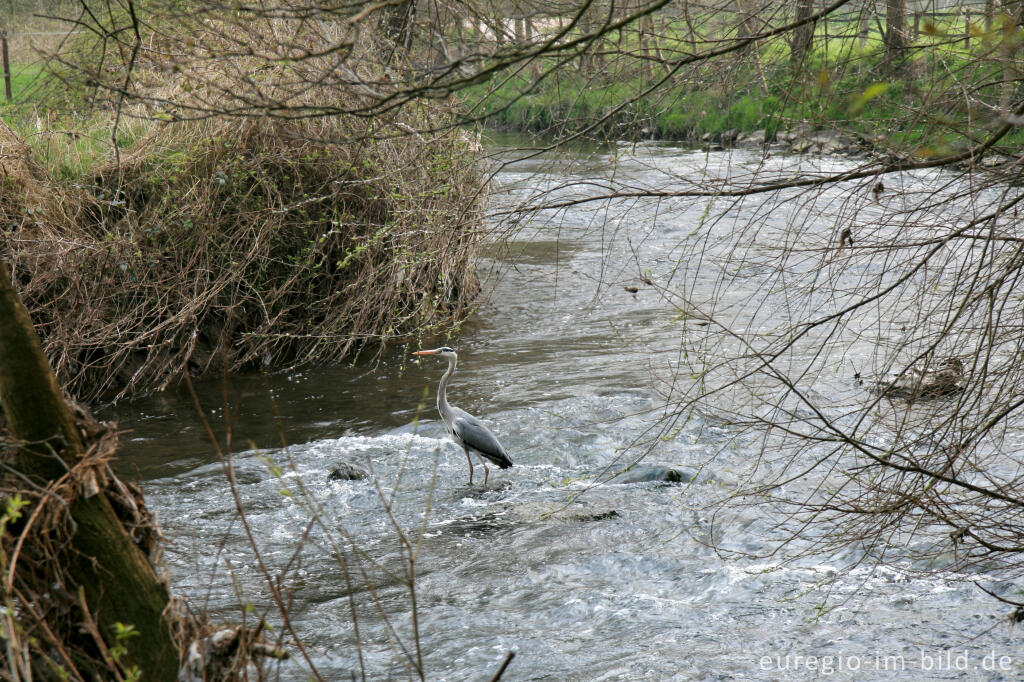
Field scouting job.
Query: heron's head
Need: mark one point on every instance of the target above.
(443, 352)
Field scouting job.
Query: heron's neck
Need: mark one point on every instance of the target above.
(442, 389)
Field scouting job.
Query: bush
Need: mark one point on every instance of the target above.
(223, 243)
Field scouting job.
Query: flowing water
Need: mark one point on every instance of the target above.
(584, 580)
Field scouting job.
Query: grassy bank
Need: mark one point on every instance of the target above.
(946, 93)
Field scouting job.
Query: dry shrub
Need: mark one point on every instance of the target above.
(222, 243)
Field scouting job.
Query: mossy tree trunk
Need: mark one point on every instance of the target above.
(119, 584)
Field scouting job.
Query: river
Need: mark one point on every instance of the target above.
(583, 579)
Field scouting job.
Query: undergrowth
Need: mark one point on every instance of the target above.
(222, 243)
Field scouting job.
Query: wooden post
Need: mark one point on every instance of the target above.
(7, 66)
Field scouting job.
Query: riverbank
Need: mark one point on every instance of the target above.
(223, 243)
(843, 97)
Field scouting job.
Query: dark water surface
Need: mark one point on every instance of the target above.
(617, 583)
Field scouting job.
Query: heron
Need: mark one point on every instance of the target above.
(468, 432)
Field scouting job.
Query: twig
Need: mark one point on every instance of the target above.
(501, 670)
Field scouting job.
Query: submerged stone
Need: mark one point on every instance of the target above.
(347, 471)
(645, 474)
(600, 516)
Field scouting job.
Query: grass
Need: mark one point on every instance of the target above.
(842, 84)
(70, 146)
(24, 78)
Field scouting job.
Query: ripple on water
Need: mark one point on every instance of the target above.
(585, 580)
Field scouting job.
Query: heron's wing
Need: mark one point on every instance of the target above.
(475, 435)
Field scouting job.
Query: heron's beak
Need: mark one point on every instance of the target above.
(425, 352)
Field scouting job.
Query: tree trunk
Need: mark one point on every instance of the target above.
(896, 40)
(604, 11)
(397, 24)
(586, 25)
(867, 11)
(746, 26)
(119, 583)
(1008, 57)
(646, 27)
(803, 36)
(691, 32)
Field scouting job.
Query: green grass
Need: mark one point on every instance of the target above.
(24, 81)
(842, 84)
(68, 145)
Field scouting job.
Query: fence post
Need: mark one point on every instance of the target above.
(7, 65)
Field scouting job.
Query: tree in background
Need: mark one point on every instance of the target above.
(896, 34)
(803, 34)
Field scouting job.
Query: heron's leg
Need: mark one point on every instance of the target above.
(470, 460)
(486, 472)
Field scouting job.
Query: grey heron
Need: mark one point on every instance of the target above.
(467, 431)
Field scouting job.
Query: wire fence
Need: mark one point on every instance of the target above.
(23, 66)
(972, 15)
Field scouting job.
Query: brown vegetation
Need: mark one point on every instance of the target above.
(222, 243)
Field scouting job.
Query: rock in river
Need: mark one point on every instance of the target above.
(347, 471)
(645, 474)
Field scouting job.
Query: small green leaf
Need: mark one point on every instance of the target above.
(123, 631)
(869, 94)
(14, 507)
